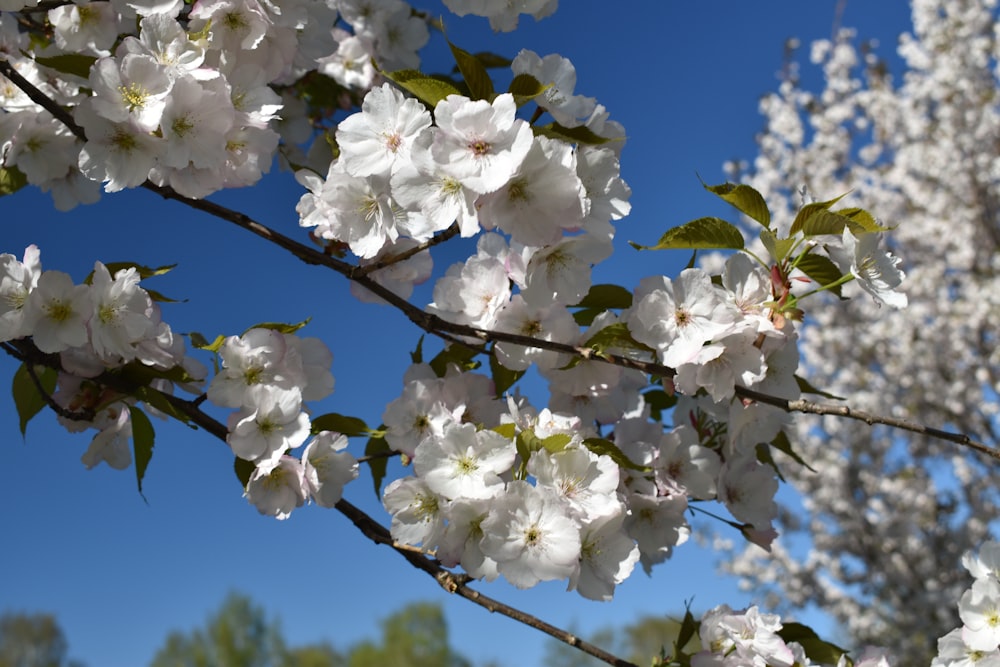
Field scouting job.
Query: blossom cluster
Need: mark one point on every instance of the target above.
(748, 637)
(470, 497)
(547, 206)
(266, 375)
(96, 326)
(977, 642)
(502, 488)
(184, 96)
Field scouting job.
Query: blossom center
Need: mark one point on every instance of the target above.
(234, 21)
(124, 142)
(393, 141)
(275, 479)
(466, 465)
(518, 190)
(60, 311)
(133, 95)
(531, 328)
(479, 147)
(181, 126)
(107, 314)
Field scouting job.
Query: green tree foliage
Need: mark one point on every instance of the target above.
(639, 642)
(416, 636)
(314, 655)
(32, 640)
(240, 634)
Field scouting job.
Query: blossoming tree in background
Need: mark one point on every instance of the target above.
(922, 143)
(664, 399)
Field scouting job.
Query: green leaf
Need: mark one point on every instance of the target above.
(349, 426)
(474, 73)
(689, 628)
(377, 446)
(158, 401)
(693, 260)
(279, 326)
(793, 632)
(556, 442)
(821, 269)
(825, 222)
(160, 298)
(525, 88)
(143, 436)
(599, 299)
(816, 649)
(506, 430)
(604, 446)
(777, 248)
(73, 64)
(862, 221)
(427, 89)
(574, 135)
(417, 356)
(614, 335)
(764, 456)
(782, 444)
(806, 388)
(27, 399)
(659, 401)
(199, 342)
(821, 652)
(490, 60)
(587, 316)
(458, 355)
(503, 377)
(137, 373)
(745, 199)
(143, 271)
(809, 210)
(701, 233)
(11, 180)
(321, 93)
(606, 297)
(244, 470)
(526, 443)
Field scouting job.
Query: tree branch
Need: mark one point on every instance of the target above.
(867, 417)
(442, 328)
(438, 239)
(448, 580)
(40, 98)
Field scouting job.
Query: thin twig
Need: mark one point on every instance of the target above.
(388, 454)
(438, 239)
(30, 360)
(456, 583)
(41, 99)
(871, 419)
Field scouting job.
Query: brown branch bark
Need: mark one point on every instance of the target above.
(447, 234)
(869, 418)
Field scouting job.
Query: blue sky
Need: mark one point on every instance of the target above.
(683, 78)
